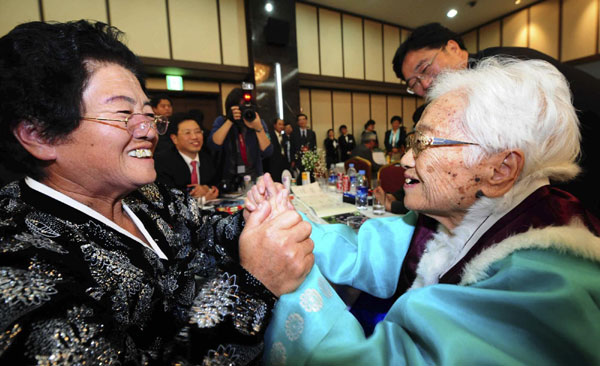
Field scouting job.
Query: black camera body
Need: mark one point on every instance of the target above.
(247, 106)
(248, 111)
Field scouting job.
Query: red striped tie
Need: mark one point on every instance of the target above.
(194, 172)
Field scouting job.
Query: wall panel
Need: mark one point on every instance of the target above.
(145, 25)
(330, 36)
(201, 86)
(409, 105)
(354, 66)
(226, 88)
(233, 32)
(342, 110)
(195, 30)
(543, 27)
(470, 40)
(379, 115)
(304, 104)
(320, 101)
(489, 35)
(391, 41)
(394, 108)
(307, 38)
(360, 113)
(373, 51)
(15, 12)
(65, 10)
(579, 29)
(515, 30)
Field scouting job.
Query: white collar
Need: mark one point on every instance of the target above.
(61, 197)
(187, 159)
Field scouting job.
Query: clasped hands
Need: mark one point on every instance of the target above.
(275, 245)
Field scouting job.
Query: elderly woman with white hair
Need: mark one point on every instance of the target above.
(493, 265)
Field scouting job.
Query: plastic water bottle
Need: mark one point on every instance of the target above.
(361, 191)
(352, 175)
(332, 181)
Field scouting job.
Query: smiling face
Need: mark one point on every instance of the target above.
(189, 138)
(102, 158)
(438, 183)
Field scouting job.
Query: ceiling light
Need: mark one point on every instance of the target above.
(517, 2)
(269, 7)
(451, 13)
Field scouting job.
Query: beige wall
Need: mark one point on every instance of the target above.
(331, 109)
(330, 42)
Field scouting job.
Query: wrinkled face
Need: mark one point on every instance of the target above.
(438, 183)
(164, 108)
(302, 122)
(419, 62)
(278, 126)
(189, 138)
(104, 157)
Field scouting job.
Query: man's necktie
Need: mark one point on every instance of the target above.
(194, 172)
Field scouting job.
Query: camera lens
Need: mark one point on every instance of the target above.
(248, 114)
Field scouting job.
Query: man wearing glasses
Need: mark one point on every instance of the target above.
(432, 48)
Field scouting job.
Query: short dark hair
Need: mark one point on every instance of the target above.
(432, 35)
(233, 99)
(369, 123)
(44, 69)
(301, 115)
(157, 98)
(396, 118)
(342, 126)
(176, 119)
(277, 119)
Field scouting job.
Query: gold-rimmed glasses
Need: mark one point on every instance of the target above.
(419, 142)
(142, 124)
(423, 75)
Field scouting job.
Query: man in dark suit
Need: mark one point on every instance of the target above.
(365, 150)
(303, 139)
(186, 166)
(277, 162)
(347, 143)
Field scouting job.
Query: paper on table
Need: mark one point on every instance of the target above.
(322, 203)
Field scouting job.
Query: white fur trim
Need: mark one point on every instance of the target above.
(575, 239)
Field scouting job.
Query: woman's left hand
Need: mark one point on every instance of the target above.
(267, 190)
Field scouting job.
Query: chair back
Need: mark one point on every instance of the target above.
(360, 164)
(391, 177)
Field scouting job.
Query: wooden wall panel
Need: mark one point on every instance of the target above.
(354, 66)
(489, 35)
(304, 104)
(360, 113)
(470, 40)
(391, 41)
(404, 34)
(65, 10)
(379, 115)
(394, 108)
(15, 12)
(226, 88)
(145, 25)
(330, 41)
(320, 101)
(195, 31)
(201, 86)
(543, 27)
(579, 29)
(233, 32)
(409, 105)
(342, 110)
(515, 30)
(307, 38)
(373, 51)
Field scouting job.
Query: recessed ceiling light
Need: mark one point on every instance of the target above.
(269, 7)
(517, 2)
(451, 13)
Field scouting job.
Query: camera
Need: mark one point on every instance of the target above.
(247, 108)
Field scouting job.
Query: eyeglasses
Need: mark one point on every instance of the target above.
(140, 125)
(419, 142)
(423, 75)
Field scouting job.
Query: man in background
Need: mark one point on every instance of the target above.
(278, 162)
(162, 105)
(303, 139)
(347, 143)
(365, 149)
(186, 166)
(432, 48)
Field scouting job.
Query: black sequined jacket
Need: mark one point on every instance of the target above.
(75, 291)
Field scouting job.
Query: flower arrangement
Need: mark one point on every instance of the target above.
(314, 161)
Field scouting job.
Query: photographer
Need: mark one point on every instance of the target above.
(241, 138)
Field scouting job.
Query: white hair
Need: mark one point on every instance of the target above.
(515, 104)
